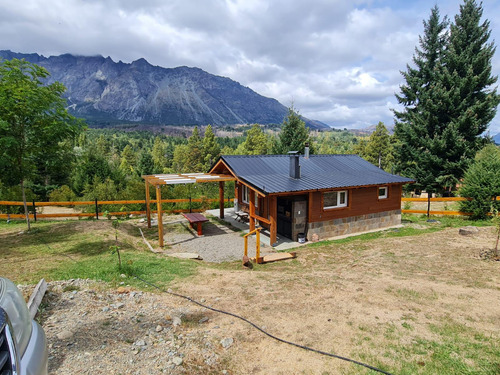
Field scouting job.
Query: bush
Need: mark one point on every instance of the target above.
(62, 194)
(482, 183)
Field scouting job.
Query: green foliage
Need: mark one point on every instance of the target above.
(448, 99)
(336, 142)
(482, 183)
(211, 149)
(62, 194)
(378, 150)
(91, 167)
(33, 123)
(158, 155)
(145, 166)
(293, 136)
(256, 142)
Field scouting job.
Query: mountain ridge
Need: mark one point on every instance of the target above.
(104, 91)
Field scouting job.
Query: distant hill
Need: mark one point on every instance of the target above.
(105, 92)
(496, 139)
(370, 129)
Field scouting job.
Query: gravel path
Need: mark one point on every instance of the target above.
(94, 330)
(219, 243)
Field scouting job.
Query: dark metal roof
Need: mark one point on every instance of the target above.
(270, 173)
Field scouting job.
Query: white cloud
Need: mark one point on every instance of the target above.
(337, 61)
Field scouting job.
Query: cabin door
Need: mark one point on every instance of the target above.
(285, 215)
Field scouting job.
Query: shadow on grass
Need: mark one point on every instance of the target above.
(96, 247)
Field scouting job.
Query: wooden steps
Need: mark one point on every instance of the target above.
(275, 257)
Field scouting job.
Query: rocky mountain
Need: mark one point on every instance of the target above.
(105, 92)
(496, 139)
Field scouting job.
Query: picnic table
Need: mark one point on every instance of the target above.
(198, 219)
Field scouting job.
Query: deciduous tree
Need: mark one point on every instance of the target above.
(33, 121)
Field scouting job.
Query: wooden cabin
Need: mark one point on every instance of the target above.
(316, 196)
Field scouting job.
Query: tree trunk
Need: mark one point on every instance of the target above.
(26, 212)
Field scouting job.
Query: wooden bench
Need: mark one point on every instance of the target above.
(242, 216)
(198, 219)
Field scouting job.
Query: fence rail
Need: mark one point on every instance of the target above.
(187, 200)
(33, 205)
(440, 212)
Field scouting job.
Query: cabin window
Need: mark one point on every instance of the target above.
(382, 192)
(335, 199)
(245, 196)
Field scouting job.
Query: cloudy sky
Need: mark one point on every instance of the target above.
(338, 61)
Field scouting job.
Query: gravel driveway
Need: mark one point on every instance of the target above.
(219, 242)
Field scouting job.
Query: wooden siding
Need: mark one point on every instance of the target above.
(361, 201)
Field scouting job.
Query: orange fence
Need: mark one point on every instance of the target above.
(430, 212)
(96, 203)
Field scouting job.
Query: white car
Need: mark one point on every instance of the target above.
(23, 345)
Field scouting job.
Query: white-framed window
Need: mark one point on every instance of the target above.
(382, 192)
(335, 199)
(245, 196)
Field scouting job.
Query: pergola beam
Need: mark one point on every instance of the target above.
(181, 178)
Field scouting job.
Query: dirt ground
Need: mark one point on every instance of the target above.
(355, 298)
(386, 302)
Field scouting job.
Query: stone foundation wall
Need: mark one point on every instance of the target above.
(354, 224)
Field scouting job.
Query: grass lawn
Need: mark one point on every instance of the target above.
(415, 300)
(82, 249)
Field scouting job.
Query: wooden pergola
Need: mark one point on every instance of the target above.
(159, 180)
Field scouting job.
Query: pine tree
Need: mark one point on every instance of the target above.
(194, 158)
(418, 123)
(379, 149)
(211, 149)
(145, 166)
(469, 102)
(256, 142)
(293, 136)
(448, 99)
(158, 155)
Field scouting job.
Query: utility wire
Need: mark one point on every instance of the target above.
(262, 330)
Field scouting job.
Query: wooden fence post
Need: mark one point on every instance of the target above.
(96, 210)
(34, 210)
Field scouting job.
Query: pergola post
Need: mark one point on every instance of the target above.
(252, 209)
(148, 208)
(273, 213)
(221, 199)
(160, 214)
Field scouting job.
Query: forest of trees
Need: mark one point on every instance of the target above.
(448, 100)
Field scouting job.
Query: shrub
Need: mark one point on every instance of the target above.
(482, 183)
(62, 194)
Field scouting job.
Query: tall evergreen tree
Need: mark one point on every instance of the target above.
(194, 158)
(470, 102)
(211, 149)
(418, 123)
(448, 99)
(158, 155)
(294, 134)
(256, 142)
(379, 149)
